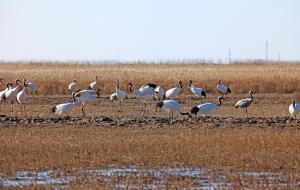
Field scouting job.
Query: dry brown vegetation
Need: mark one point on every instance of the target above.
(268, 149)
(69, 148)
(267, 141)
(53, 78)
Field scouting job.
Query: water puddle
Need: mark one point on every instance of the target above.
(153, 178)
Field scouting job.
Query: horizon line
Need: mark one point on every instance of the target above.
(142, 61)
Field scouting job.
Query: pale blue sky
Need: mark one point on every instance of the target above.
(148, 30)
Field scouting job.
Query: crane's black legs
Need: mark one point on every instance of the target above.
(82, 110)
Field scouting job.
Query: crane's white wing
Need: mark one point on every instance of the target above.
(143, 86)
(85, 96)
(223, 88)
(207, 107)
(171, 104)
(171, 93)
(12, 92)
(2, 93)
(243, 102)
(146, 91)
(197, 90)
(62, 108)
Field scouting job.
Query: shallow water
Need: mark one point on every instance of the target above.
(138, 178)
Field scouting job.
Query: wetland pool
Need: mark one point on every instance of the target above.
(133, 177)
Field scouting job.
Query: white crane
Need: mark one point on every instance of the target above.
(170, 106)
(94, 85)
(294, 109)
(72, 86)
(144, 93)
(245, 103)
(197, 90)
(159, 93)
(65, 107)
(2, 93)
(21, 96)
(11, 94)
(121, 95)
(85, 97)
(173, 92)
(224, 89)
(206, 109)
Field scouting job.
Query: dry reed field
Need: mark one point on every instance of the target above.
(68, 147)
(65, 147)
(107, 149)
(54, 77)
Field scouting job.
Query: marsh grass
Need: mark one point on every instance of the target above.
(53, 78)
(74, 147)
(240, 148)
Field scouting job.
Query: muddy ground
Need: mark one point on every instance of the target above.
(267, 110)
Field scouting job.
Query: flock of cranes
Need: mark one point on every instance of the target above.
(82, 97)
(17, 93)
(149, 92)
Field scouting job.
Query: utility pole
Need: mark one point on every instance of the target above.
(267, 46)
(278, 57)
(229, 56)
